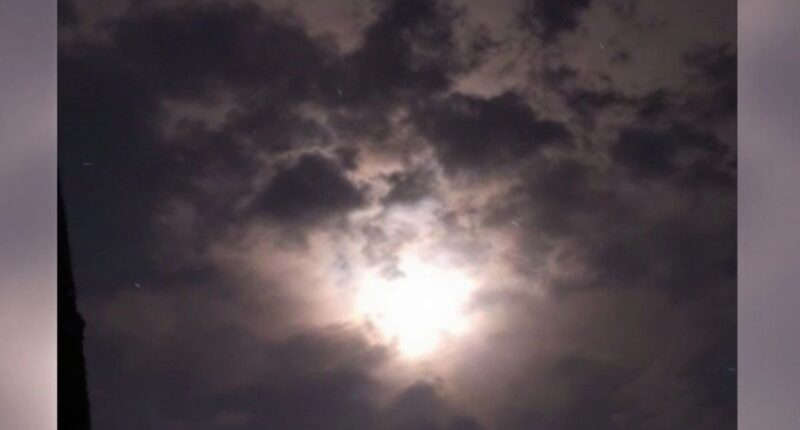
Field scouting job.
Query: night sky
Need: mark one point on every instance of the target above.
(404, 214)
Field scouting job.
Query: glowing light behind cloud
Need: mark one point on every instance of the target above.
(418, 309)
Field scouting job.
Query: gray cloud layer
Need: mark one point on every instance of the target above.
(229, 170)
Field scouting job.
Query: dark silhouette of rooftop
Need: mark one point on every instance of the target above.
(73, 398)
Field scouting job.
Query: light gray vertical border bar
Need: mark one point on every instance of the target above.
(769, 214)
(28, 214)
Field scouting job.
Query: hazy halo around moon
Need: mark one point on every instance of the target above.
(417, 308)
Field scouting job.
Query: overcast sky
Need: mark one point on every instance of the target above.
(234, 173)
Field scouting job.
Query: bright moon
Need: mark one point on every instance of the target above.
(417, 309)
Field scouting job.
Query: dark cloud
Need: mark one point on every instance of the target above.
(714, 370)
(67, 15)
(319, 380)
(275, 128)
(311, 189)
(591, 385)
(215, 374)
(621, 57)
(106, 130)
(111, 119)
(624, 8)
(187, 49)
(421, 406)
(369, 120)
(716, 63)
(564, 195)
(674, 255)
(654, 104)
(585, 101)
(618, 237)
(647, 152)
(558, 76)
(651, 223)
(311, 380)
(650, 152)
(472, 132)
(348, 157)
(549, 18)
(409, 187)
(409, 49)
(717, 66)
(416, 408)
(591, 105)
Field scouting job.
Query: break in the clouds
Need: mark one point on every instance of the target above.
(403, 214)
